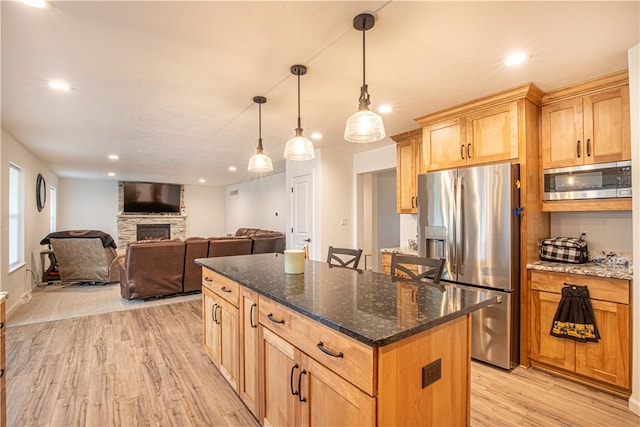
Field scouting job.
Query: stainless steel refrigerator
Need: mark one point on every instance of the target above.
(470, 217)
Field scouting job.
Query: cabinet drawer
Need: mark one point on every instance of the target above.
(600, 288)
(345, 356)
(225, 288)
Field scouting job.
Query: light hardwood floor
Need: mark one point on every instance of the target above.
(147, 367)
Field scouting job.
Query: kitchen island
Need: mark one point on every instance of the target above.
(336, 346)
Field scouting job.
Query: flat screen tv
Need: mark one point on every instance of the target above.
(151, 197)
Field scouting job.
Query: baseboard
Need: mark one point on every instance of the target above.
(23, 300)
(634, 404)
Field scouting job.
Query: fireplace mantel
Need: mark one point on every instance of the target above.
(127, 226)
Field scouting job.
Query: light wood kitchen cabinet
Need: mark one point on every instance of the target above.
(221, 325)
(492, 134)
(248, 387)
(407, 170)
(444, 145)
(586, 123)
(605, 364)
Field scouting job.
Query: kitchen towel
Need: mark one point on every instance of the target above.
(574, 317)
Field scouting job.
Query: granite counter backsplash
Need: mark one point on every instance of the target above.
(400, 250)
(602, 264)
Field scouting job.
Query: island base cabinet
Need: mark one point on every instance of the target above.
(300, 391)
(249, 385)
(402, 398)
(221, 335)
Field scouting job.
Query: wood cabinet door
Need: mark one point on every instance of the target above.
(546, 348)
(248, 386)
(329, 400)
(606, 126)
(562, 134)
(280, 367)
(492, 134)
(210, 329)
(406, 176)
(443, 145)
(228, 322)
(608, 359)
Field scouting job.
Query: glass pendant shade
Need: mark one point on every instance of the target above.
(364, 126)
(260, 162)
(299, 148)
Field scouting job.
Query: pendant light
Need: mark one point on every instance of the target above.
(364, 125)
(299, 147)
(260, 162)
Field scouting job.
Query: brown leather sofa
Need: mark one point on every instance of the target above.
(151, 269)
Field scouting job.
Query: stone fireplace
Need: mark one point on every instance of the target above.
(174, 225)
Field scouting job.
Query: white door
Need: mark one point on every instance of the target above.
(302, 212)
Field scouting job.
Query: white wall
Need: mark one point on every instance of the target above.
(387, 219)
(298, 168)
(634, 91)
(88, 204)
(205, 207)
(606, 231)
(260, 203)
(18, 283)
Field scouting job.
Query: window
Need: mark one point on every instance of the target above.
(52, 210)
(16, 217)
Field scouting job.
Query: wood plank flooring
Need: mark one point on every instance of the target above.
(147, 367)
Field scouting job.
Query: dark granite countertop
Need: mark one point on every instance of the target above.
(361, 304)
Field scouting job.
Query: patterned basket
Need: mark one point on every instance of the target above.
(564, 249)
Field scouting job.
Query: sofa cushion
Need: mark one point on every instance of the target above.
(229, 247)
(196, 247)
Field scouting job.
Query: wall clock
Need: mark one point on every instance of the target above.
(41, 192)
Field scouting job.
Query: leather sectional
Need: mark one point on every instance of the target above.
(157, 268)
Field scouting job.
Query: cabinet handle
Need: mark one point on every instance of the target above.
(462, 151)
(273, 319)
(302, 399)
(1, 373)
(206, 279)
(412, 200)
(293, 392)
(468, 151)
(588, 147)
(213, 313)
(224, 289)
(327, 351)
(578, 149)
(253, 325)
(1, 325)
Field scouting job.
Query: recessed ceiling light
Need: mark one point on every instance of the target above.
(233, 168)
(516, 58)
(59, 85)
(40, 4)
(111, 174)
(202, 180)
(385, 108)
(316, 135)
(113, 157)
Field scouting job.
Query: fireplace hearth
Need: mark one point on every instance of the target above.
(153, 232)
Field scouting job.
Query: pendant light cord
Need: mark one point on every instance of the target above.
(363, 56)
(260, 127)
(299, 121)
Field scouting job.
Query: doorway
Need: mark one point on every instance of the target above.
(378, 221)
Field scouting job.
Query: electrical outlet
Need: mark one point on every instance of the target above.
(431, 373)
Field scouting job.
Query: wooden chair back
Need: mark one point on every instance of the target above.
(344, 257)
(401, 263)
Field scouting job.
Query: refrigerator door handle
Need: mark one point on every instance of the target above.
(459, 226)
(451, 234)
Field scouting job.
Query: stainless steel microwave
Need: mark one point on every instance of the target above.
(599, 181)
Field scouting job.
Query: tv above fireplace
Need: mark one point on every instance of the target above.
(150, 197)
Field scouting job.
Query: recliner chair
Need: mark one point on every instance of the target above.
(85, 259)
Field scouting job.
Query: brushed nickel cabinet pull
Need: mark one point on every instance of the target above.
(462, 151)
(293, 392)
(253, 325)
(468, 151)
(302, 399)
(578, 149)
(588, 147)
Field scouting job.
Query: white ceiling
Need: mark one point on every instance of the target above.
(168, 86)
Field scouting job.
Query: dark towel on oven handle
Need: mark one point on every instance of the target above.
(574, 318)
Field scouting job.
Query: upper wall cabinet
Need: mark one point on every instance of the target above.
(408, 164)
(586, 123)
(479, 132)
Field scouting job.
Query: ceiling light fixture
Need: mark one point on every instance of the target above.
(299, 147)
(260, 162)
(40, 4)
(113, 157)
(232, 168)
(516, 59)
(364, 125)
(59, 85)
